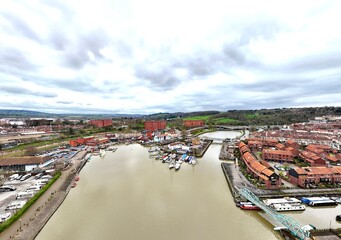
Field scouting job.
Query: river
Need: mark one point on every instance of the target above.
(127, 196)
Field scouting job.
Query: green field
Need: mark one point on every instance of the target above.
(251, 116)
(205, 118)
(224, 120)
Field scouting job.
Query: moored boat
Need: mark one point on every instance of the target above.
(177, 165)
(248, 206)
(284, 204)
(318, 201)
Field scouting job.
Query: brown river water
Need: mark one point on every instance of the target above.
(127, 196)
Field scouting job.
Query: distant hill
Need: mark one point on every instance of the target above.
(277, 116)
(5, 113)
(165, 116)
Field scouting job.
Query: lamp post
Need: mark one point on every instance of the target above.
(20, 223)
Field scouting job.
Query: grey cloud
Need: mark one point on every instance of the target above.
(20, 26)
(315, 62)
(199, 65)
(25, 91)
(64, 102)
(77, 84)
(13, 59)
(161, 79)
(76, 53)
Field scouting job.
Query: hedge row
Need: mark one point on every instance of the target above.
(29, 203)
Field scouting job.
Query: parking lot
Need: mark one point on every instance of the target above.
(9, 196)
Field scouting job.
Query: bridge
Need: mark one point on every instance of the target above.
(290, 224)
(212, 138)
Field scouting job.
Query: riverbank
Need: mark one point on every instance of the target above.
(31, 223)
(236, 180)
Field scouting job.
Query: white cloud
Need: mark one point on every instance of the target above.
(150, 56)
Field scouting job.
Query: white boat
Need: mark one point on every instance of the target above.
(282, 207)
(102, 152)
(284, 204)
(177, 165)
(171, 165)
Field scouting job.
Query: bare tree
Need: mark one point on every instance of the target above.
(31, 151)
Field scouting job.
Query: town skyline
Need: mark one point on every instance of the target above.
(142, 58)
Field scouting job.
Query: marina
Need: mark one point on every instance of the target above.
(118, 199)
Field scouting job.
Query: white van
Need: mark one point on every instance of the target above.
(24, 195)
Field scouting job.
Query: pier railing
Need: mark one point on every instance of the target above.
(289, 223)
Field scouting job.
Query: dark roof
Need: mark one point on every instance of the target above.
(23, 160)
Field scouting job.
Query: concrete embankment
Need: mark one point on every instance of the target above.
(40, 212)
(201, 152)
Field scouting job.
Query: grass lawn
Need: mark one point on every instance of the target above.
(205, 118)
(224, 120)
(251, 116)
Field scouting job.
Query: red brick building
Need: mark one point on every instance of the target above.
(308, 176)
(261, 172)
(255, 145)
(194, 123)
(293, 144)
(277, 155)
(312, 159)
(318, 151)
(333, 160)
(81, 141)
(101, 122)
(154, 125)
(266, 142)
(243, 148)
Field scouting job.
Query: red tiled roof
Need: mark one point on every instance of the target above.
(331, 158)
(291, 141)
(325, 147)
(278, 152)
(23, 160)
(267, 172)
(301, 171)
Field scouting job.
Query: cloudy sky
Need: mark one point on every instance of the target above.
(133, 56)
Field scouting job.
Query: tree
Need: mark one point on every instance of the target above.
(31, 151)
(71, 131)
(184, 133)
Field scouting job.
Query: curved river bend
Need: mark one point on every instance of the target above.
(128, 196)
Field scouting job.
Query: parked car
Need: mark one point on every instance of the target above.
(23, 178)
(13, 177)
(33, 188)
(4, 217)
(48, 177)
(7, 188)
(39, 175)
